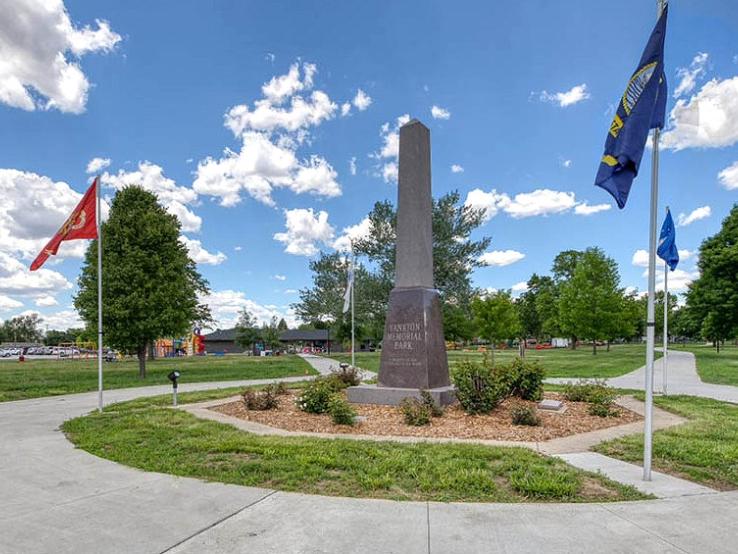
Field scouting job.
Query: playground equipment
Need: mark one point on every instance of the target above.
(80, 350)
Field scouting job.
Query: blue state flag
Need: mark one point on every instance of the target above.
(641, 108)
(667, 249)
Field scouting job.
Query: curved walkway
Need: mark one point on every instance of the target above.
(682, 378)
(56, 498)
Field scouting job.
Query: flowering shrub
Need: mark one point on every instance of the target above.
(317, 395)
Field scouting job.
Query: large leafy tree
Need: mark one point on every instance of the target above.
(538, 307)
(496, 317)
(712, 299)
(150, 284)
(591, 301)
(22, 328)
(247, 332)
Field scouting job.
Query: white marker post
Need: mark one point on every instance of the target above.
(99, 300)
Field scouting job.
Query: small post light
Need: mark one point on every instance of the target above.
(173, 376)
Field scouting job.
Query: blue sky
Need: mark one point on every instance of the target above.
(524, 94)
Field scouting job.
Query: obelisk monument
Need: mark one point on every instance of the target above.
(413, 349)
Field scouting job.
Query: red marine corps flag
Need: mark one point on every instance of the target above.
(81, 224)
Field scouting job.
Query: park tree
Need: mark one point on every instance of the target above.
(282, 325)
(457, 323)
(538, 307)
(712, 299)
(54, 337)
(270, 333)
(496, 317)
(591, 300)
(23, 328)
(247, 331)
(150, 284)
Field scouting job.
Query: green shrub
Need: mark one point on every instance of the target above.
(590, 391)
(415, 412)
(278, 389)
(260, 400)
(341, 411)
(477, 388)
(317, 395)
(602, 410)
(524, 415)
(427, 400)
(522, 378)
(349, 376)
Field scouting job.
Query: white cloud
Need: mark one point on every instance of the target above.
(345, 109)
(304, 230)
(238, 248)
(695, 215)
(456, 168)
(440, 113)
(7, 303)
(586, 209)
(709, 119)
(36, 70)
(226, 305)
(173, 197)
(500, 258)
(17, 279)
(351, 233)
(491, 202)
(362, 100)
(539, 202)
(520, 287)
(390, 150)
(97, 164)
(685, 254)
(280, 277)
(728, 177)
(46, 300)
(61, 320)
(352, 165)
(570, 97)
(688, 75)
(291, 291)
(566, 163)
(271, 134)
(679, 279)
(640, 258)
(201, 256)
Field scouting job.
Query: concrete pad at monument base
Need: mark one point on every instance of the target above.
(413, 348)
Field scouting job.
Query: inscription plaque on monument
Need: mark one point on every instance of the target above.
(413, 349)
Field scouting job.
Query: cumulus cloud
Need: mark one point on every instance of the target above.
(586, 209)
(529, 204)
(226, 305)
(695, 215)
(456, 168)
(97, 164)
(362, 100)
(200, 255)
(61, 320)
(305, 230)
(728, 177)
(708, 119)
(440, 113)
(566, 98)
(352, 165)
(640, 257)
(500, 258)
(45, 300)
(520, 287)
(7, 303)
(491, 202)
(566, 163)
(688, 75)
(352, 233)
(16, 279)
(389, 152)
(41, 47)
(173, 197)
(271, 133)
(280, 277)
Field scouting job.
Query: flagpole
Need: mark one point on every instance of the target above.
(99, 300)
(650, 315)
(353, 286)
(666, 323)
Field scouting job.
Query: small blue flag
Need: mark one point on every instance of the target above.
(667, 249)
(641, 108)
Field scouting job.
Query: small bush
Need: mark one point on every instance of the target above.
(522, 378)
(349, 376)
(260, 400)
(427, 400)
(279, 389)
(477, 388)
(341, 411)
(317, 395)
(602, 410)
(415, 412)
(524, 415)
(590, 391)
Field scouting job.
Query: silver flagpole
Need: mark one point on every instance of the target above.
(666, 323)
(650, 316)
(353, 286)
(99, 300)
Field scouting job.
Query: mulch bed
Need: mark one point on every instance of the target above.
(455, 423)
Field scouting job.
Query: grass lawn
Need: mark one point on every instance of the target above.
(147, 435)
(36, 378)
(704, 450)
(721, 369)
(558, 362)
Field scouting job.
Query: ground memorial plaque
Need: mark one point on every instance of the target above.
(413, 349)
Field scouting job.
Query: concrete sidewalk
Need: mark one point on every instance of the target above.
(56, 498)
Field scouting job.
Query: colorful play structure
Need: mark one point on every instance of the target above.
(191, 345)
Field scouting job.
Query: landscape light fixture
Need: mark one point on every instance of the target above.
(173, 376)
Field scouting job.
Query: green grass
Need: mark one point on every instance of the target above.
(36, 378)
(146, 435)
(558, 362)
(704, 450)
(713, 367)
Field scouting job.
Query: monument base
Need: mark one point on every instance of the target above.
(393, 396)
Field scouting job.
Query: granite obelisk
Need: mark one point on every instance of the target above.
(413, 349)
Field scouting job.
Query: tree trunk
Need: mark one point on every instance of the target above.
(141, 354)
(717, 344)
(573, 343)
(608, 346)
(594, 347)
